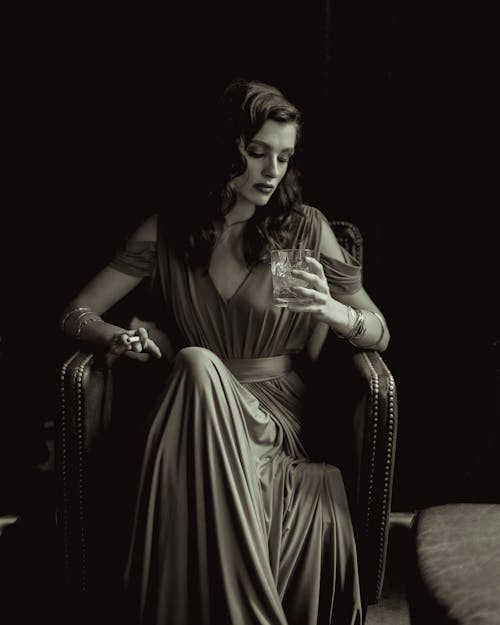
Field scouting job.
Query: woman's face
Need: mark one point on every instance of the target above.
(267, 155)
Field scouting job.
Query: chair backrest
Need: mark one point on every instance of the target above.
(349, 237)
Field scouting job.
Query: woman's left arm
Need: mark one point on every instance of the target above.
(353, 316)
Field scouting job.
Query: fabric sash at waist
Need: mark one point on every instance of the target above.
(259, 369)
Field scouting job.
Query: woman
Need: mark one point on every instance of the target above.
(233, 523)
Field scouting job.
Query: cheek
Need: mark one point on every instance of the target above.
(252, 172)
(283, 173)
(240, 181)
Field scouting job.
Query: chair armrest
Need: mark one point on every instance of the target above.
(375, 430)
(85, 400)
(86, 395)
(100, 422)
(350, 422)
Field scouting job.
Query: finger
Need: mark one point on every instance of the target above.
(142, 357)
(312, 279)
(311, 294)
(119, 344)
(137, 339)
(306, 308)
(152, 348)
(142, 333)
(314, 265)
(281, 302)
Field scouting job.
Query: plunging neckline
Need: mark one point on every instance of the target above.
(238, 288)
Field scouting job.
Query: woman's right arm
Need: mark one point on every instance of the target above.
(81, 318)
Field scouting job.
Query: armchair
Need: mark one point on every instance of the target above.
(97, 444)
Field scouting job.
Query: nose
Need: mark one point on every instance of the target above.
(270, 169)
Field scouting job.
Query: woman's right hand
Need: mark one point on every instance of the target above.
(135, 344)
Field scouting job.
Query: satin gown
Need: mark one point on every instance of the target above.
(233, 524)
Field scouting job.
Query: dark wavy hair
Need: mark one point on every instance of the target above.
(245, 106)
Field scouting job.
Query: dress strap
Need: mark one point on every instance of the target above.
(259, 369)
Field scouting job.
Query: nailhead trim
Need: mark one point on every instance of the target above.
(80, 427)
(64, 468)
(388, 469)
(79, 416)
(374, 396)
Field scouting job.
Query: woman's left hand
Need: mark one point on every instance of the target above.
(320, 303)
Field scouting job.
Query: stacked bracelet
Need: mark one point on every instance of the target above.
(73, 312)
(78, 318)
(358, 327)
(88, 320)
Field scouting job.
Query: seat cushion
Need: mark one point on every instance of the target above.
(458, 560)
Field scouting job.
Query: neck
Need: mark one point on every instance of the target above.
(239, 213)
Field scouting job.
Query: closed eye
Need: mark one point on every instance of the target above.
(281, 159)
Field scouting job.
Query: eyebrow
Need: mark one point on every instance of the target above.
(270, 147)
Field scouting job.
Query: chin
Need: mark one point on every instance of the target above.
(261, 202)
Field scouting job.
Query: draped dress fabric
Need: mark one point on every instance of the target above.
(233, 524)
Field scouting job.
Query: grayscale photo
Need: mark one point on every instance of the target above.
(251, 361)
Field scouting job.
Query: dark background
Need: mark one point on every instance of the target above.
(397, 107)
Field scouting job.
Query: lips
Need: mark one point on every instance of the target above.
(264, 188)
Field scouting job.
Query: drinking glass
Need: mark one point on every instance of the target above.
(283, 261)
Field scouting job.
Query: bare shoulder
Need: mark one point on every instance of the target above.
(328, 244)
(147, 231)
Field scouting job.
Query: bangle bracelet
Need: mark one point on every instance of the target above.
(75, 323)
(382, 331)
(72, 312)
(358, 327)
(86, 322)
